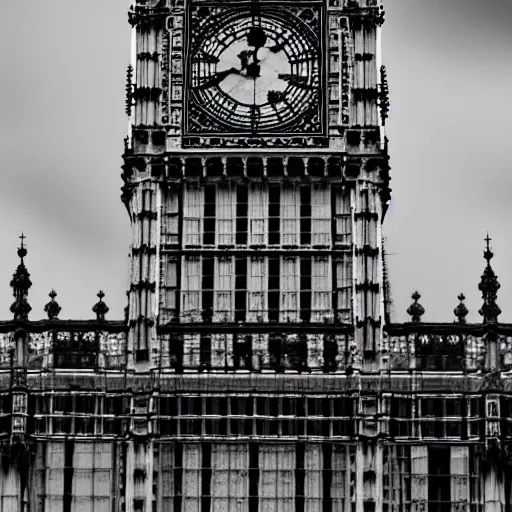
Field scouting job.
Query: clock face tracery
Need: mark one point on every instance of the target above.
(255, 68)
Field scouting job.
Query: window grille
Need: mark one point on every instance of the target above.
(192, 485)
(55, 467)
(256, 286)
(340, 477)
(230, 477)
(439, 353)
(343, 217)
(441, 417)
(193, 200)
(290, 287)
(209, 221)
(172, 219)
(290, 215)
(191, 344)
(226, 215)
(263, 416)
(396, 483)
(171, 289)
(224, 290)
(242, 210)
(92, 474)
(77, 414)
(321, 286)
(274, 215)
(191, 289)
(276, 483)
(344, 288)
(401, 421)
(305, 215)
(321, 215)
(240, 288)
(258, 214)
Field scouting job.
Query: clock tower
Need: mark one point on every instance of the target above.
(256, 178)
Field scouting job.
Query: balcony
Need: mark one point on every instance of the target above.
(444, 347)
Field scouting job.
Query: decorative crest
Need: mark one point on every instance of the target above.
(384, 95)
(416, 310)
(489, 287)
(461, 311)
(129, 90)
(52, 309)
(100, 308)
(20, 284)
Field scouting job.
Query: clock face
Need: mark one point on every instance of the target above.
(255, 68)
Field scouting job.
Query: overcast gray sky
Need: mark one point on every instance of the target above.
(62, 126)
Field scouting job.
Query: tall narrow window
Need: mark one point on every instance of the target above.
(207, 289)
(290, 287)
(274, 209)
(209, 215)
(242, 199)
(344, 281)
(240, 288)
(277, 482)
(321, 215)
(439, 479)
(171, 285)
(224, 290)
(256, 290)
(313, 462)
(226, 215)
(321, 293)
(192, 482)
(230, 477)
(290, 215)
(305, 215)
(192, 214)
(460, 476)
(258, 214)
(419, 477)
(305, 289)
(172, 218)
(274, 283)
(343, 218)
(191, 289)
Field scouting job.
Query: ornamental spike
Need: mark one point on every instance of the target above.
(489, 287)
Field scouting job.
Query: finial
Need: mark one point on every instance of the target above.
(20, 284)
(22, 250)
(100, 308)
(416, 310)
(52, 309)
(489, 287)
(461, 311)
(488, 255)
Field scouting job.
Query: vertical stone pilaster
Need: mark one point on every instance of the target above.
(367, 271)
(143, 286)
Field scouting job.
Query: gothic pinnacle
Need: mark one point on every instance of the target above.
(489, 287)
(20, 284)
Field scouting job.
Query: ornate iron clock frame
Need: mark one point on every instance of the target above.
(287, 110)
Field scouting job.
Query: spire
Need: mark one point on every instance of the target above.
(20, 284)
(489, 287)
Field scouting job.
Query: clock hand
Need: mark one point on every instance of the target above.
(217, 78)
